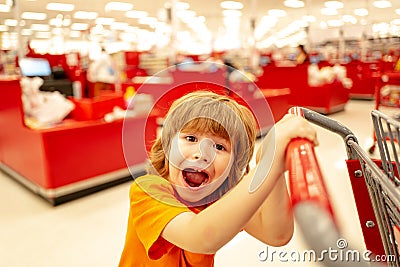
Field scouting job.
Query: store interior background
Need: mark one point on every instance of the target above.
(196, 27)
(90, 230)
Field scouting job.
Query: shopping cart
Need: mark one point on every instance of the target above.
(387, 97)
(377, 196)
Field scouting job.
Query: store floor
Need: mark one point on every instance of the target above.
(90, 231)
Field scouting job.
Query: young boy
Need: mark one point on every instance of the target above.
(200, 191)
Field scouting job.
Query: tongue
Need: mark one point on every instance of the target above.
(195, 179)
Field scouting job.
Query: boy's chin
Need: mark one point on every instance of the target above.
(190, 199)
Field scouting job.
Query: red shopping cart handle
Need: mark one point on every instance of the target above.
(306, 182)
(310, 200)
(305, 178)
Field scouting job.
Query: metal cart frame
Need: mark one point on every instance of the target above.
(377, 195)
(387, 94)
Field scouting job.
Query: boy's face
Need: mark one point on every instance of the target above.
(198, 164)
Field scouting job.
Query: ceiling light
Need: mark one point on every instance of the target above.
(43, 35)
(34, 15)
(136, 14)
(60, 7)
(363, 21)
(231, 23)
(201, 19)
(26, 32)
(4, 8)
(382, 3)
(40, 27)
(361, 12)
(186, 14)
(75, 34)
(11, 22)
(231, 13)
(104, 21)
(381, 28)
(57, 31)
(85, 15)
(349, 18)
(309, 18)
(266, 23)
(128, 37)
(98, 29)
(277, 12)
(55, 22)
(79, 26)
(335, 23)
(131, 29)
(397, 11)
(118, 6)
(148, 21)
(329, 11)
(231, 5)
(60, 21)
(294, 3)
(66, 22)
(300, 23)
(182, 5)
(3, 28)
(118, 26)
(395, 22)
(334, 4)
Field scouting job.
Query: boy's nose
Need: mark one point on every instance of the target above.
(205, 151)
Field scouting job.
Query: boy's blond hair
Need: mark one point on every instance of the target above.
(219, 115)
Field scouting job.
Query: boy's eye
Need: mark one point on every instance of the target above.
(219, 147)
(191, 138)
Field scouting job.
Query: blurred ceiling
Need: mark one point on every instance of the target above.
(210, 12)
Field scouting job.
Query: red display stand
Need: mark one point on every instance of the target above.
(132, 62)
(277, 100)
(391, 77)
(95, 108)
(365, 77)
(245, 93)
(325, 99)
(72, 159)
(183, 82)
(389, 97)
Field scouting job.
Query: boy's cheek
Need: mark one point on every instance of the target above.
(175, 157)
(176, 153)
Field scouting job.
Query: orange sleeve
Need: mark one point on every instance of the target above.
(153, 205)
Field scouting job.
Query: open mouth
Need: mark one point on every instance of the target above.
(194, 178)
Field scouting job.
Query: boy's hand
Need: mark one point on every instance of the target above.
(293, 126)
(288, 128)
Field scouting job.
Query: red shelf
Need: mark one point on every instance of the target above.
(183, 82)
(325, 99)
(70, 158)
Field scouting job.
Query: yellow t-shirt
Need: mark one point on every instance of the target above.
(152, 205)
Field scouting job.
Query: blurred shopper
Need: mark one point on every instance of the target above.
(302, 55)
